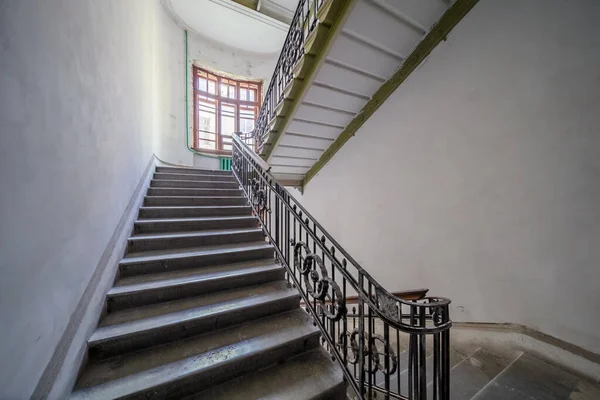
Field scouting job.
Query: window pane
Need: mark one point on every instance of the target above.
(243, 94)
(247, 117)
(202, 84)
(252, 95)
(232, 92)
(227, 119)
(207, 123)
(212, 87)
(223, 89)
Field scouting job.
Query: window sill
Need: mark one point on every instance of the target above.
(225, 153)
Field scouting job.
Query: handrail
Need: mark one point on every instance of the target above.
(303, 23)
(236, 136)
(323, 272)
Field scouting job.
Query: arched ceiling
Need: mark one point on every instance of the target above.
(230, 23)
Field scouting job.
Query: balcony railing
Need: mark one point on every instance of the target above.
(303, 23)
(386, 345)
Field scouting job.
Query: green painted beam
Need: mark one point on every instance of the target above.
(438, 33)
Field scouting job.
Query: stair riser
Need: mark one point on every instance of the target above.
(120, 302)
(190, 177)
(193, 192)
(193, 201)
(226, 370)
(195, 212)
(187, 242)
(186, 226)
(172, 170)
(189, 328)
(194, 184)
(205, 260)
(337, 393)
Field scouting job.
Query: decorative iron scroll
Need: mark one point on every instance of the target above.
(318, 283)
(374, 355)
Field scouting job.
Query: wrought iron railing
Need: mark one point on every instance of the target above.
(385, 345)
(303, 23)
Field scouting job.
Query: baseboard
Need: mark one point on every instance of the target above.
(557, 351)
(62, 370)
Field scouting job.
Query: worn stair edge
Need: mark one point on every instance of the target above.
(162, 261)
(309, 376)
(191, 170)
(181, 240)
(120, 366)
(193, 211)
(193, 177)
(194, 201)
(196, 282)
(178, 191)
(188, 376)
(215, 184)
(135, 335)
(144, 226)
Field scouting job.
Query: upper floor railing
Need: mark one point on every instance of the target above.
(386, 345)
(303, 23)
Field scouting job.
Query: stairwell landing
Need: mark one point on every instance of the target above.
(200, 308)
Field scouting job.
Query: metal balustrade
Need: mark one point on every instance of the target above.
(386, 346)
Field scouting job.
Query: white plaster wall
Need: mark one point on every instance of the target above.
(480, 177)
(83, 102)
(169, 74)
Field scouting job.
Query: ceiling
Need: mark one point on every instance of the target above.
(234, 25)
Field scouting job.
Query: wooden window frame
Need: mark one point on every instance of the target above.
(219, 101)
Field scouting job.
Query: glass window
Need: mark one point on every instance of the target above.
(222, 106)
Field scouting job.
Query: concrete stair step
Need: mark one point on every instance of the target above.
(309, 376)
(181, 240)
(172, 260)
(144, 290)
(206, 184)
(144, 226)
(194, 177)
(201, 192)
(194, 211)
(190, 170)
(180, 369)
(157, 201)
(130, 330)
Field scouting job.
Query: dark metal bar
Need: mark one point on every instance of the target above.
(322, 280)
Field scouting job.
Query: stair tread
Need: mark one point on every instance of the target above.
(158, 175)
(206, 232)
(127, 374)
(193, 207)
(194, 219)
(175, 278)
(195, 197)
(165, 188)
(178, 181)
(190, 168)
(306, 376)
(129, 321)
(158, 255)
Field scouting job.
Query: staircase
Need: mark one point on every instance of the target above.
(200, 308)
